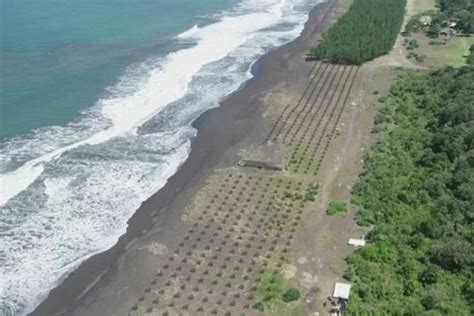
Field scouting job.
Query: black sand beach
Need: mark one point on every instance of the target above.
(111, 282)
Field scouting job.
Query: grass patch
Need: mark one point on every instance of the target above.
(452, 52)
(270, 288)
(275, 296)
(336, 208)
(422, 5)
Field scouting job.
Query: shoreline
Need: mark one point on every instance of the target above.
(237, 119)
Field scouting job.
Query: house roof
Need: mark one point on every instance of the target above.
(342, 290)
(356, 242)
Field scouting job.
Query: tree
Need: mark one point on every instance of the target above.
(470, 57)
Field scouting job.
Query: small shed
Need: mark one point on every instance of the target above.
(342, 290)
(357, 242)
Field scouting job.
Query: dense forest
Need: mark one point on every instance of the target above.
(369, 29)
(418, 193)
(460, 10)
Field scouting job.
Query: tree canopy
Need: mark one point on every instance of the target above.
(369, 29)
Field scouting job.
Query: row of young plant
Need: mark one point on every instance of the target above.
(418, 192)
(369, 29)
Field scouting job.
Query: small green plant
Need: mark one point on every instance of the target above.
(433, 42)
(412, 44)
(312, 192)
(336, 208)
(412, 55)
(420, 58)
(258, 306)
(292, 294)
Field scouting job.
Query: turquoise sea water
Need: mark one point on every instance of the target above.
(97, 100)
(58, 56)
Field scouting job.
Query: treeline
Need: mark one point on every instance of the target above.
(369, 29)
(418, 192)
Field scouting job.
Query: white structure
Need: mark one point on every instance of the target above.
(356, 242)
(426, 20)
(342, 290)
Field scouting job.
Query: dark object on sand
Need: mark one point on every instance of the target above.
(260, 165)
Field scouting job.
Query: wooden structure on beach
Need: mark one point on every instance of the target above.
(260, 165)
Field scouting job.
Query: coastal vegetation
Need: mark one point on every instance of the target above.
(418, 192)
(369, 29)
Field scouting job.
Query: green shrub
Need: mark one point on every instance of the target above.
(412, 44)
(292, 294)
(312, 192)
(336, 208)
(258, 306)
(470, 57)
(420, 58)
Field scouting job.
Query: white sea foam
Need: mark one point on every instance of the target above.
(189, 33)
(67, 192)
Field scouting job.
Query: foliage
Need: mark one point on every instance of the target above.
(412, 44)
(292, 294)
(418, 192)
(366, 31)
(417, 57)
(312, 192)
(451, 7)
(258, 306)
(336, 208)
(470, 57)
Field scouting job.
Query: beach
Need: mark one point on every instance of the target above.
(205, 242)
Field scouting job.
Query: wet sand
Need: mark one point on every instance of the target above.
(109, 283)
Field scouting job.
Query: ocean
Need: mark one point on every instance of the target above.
(97, 100)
